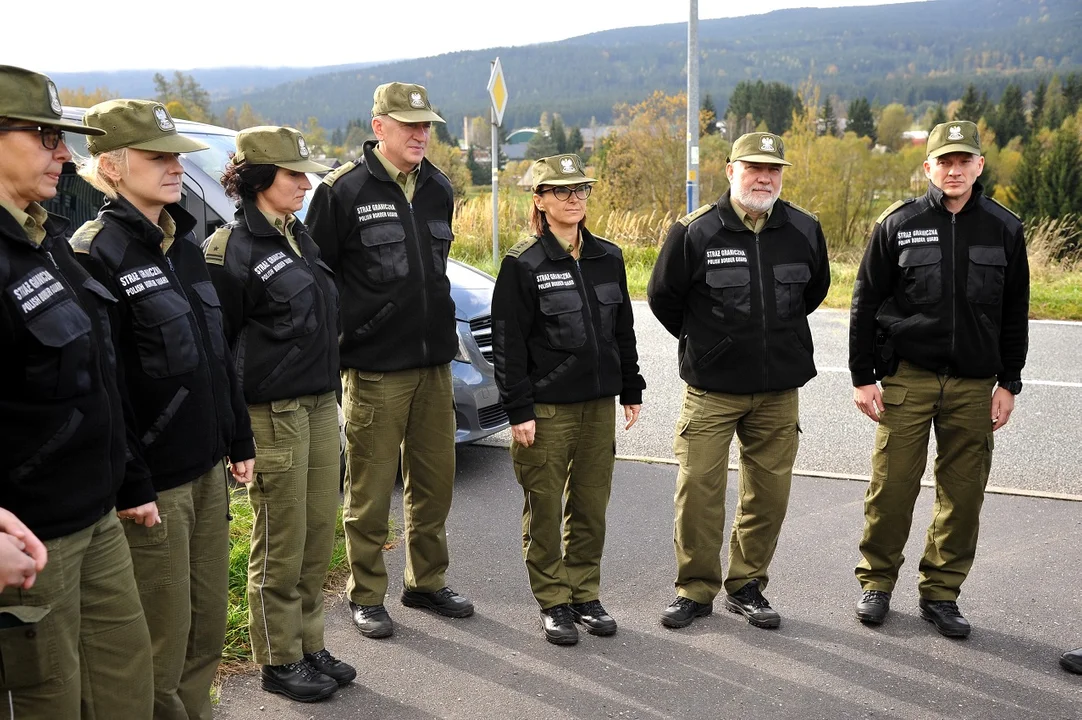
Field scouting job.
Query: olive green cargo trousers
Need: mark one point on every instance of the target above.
(294, 500)
(407, 414)
(566, 476)
(76, 644)
(767, 429)
(182, 571)
(960, 409)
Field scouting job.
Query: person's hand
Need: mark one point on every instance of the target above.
(523, 433)
(146, 514)
(1002, 407)
(17, 568)
(631, 415)
(869, 400)
(33, 547)
(242, 471)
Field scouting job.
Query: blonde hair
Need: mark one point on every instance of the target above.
(93, 173)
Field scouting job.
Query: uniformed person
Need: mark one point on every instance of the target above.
(280, 311)
(383, 225)
(564, 342)
(735, 282)
(189, 411)
(75, 642)
(940, 309)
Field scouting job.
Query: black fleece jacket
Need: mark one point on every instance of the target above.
(738, 301)
(280, 310)
(389, 257)
(563, 329)
(946, 291)
(189, 406)
(63, 448)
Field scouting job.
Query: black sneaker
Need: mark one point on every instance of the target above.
(749, 602)
(946, 617)
(297, 681)
(342, 673)
(873, 607)
(444, 601)
(372, 620)
(682, 611)
(593, 616)
(558, 622)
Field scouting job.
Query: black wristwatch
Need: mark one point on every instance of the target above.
(1012, 386)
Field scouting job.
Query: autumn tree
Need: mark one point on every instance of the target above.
(893, 121)
(448, 159)
(184, 89)
(80, 97)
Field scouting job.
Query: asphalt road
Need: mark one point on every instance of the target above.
(1022, 598)
(1036, 451)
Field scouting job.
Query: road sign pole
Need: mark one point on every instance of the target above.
(693, 106)
(495, 191)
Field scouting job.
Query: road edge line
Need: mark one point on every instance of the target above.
(992, 489)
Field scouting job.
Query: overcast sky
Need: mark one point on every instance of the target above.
(133, 34)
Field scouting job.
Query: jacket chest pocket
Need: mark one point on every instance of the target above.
(60, 366)
(922, 274)
(609, 299)
(730, 288)
(212, 311)
(987, 266)
(442, 237)
(564, 326)
(330, 290)
(292, 296)
(163, 334)
(385, 258)
(789, 284)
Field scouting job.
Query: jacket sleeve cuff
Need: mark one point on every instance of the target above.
(1009, 376)
(863, 377)
(517, 416)
(242, 449)
(135, 492)
(631, 396)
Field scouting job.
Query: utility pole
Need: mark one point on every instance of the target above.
(693, 107)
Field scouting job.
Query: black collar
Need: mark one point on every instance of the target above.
(137, 224)
(935, 197)
(591, 248)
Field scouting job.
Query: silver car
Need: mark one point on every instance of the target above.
(478, 412)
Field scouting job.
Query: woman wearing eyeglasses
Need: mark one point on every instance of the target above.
(73, 638)
(190, 418)
(564, 342)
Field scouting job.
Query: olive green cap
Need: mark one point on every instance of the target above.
(404, 102)
(759, 147)
(271, 145)
(958, 136)
(559, 170)
(136, 124)
(27, 95)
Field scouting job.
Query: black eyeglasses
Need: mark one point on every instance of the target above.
(563, 192)
(51, 137)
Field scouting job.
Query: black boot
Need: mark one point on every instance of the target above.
(559, 625)
(297, 681)
(342, 673)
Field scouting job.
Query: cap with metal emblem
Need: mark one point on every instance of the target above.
(136, 124)
(759, 147)
(271, 145)
(559, 170)
(404, 102)
(31, 96)
(958, 136)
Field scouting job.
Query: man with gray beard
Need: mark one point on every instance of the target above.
(734, 283)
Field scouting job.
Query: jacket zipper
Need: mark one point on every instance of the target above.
(762, 306)
(322, 307)
(424, 283)
(589, 324)
(954, 274)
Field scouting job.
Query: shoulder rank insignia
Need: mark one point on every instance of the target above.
(892, 209)
(521, 246)
(690, 217)
(809, 213)
(332, 177)
(214, 250)
(82, 238)
(997, 202)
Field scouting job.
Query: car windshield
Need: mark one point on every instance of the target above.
(212, 161)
